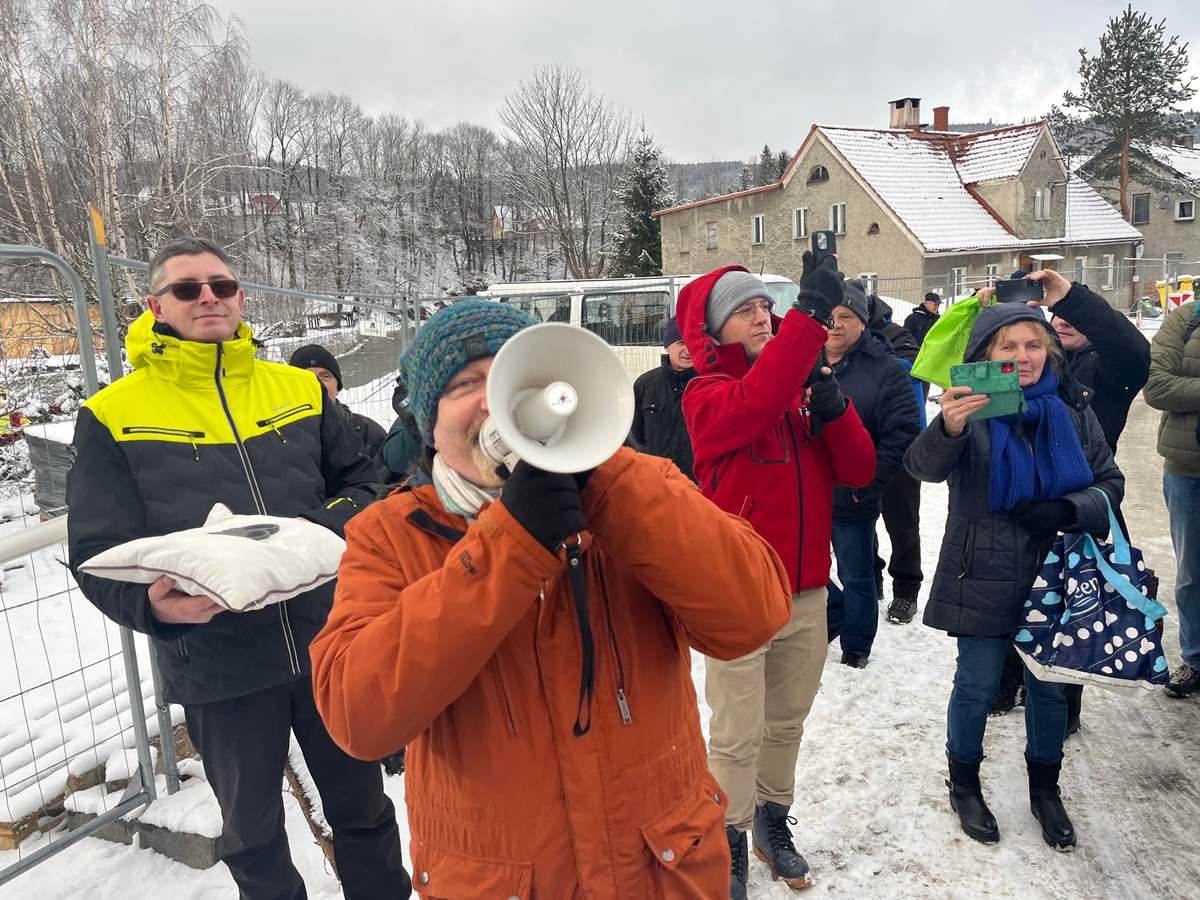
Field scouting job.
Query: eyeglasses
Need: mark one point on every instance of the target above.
(222, 288)
(749, 311)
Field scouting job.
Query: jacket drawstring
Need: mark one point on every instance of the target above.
(587, 674)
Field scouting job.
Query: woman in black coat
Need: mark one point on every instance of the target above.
(1015, 483)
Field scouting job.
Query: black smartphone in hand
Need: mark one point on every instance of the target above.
(1019, 290)
(824, 244)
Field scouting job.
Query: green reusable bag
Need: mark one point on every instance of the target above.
(946, 342)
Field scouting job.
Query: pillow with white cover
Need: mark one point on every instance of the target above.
(241, 562)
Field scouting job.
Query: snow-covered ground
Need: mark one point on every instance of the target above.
(871, 808)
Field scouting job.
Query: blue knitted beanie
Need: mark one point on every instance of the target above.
(454, 336)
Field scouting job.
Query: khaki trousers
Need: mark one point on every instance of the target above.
(759, 703)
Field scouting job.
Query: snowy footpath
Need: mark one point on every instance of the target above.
(871, 808)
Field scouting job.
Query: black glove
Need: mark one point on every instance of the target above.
(546, 504)
(820, 289)
(1043, 518)
(826, 400)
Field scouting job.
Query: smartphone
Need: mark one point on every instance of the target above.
(998, 378)
(1019, 290)
(824, 243)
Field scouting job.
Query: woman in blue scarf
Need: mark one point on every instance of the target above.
(1015, 481)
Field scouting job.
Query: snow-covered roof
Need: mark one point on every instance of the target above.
(917, 178)
(989, 155)
(1183, 161)
(1092, 219)
(926, 179)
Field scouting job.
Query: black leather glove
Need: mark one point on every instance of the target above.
(826, 400)
(546, 504)
(1043, 518)
(820, 289)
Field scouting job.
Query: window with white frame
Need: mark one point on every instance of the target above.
(1108, 270)
(1185, 210)
(800, 223)
(1081, 264)
(758, 230)
(870, 281)
(958, 281)
(712, 235)
(837, 218)
(1041, 205)
(993, 273)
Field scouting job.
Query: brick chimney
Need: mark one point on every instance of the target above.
(941, 118)
(905, 113)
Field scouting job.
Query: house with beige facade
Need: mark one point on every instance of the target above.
(915, 208)
(1164, 191)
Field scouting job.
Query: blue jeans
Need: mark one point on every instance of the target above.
(1183, 505)
(855, 605)
(980, 660)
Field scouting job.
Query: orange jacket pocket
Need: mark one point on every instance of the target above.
(688, 843)
(441, 874)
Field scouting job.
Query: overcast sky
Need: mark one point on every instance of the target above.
(711, 80)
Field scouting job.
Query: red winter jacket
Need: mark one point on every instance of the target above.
(750, 433)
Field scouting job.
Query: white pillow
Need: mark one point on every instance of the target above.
(241, 562)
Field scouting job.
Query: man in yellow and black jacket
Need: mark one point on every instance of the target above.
(201, 421)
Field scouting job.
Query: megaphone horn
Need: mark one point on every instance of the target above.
(559, 398)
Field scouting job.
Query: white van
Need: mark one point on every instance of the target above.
(629, 313)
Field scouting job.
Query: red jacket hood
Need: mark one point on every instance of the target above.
(707, 355)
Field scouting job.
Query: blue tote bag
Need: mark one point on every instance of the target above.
(1091, 619)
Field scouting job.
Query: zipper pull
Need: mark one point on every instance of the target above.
(621, 702)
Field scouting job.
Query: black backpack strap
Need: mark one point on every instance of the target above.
(1193, 323)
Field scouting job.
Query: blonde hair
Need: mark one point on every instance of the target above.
(1054, 353)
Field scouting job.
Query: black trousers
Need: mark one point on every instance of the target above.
(243, 744)
(902, 519)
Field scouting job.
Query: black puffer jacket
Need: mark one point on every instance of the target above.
(878, 384)
(987, 563)
(658, 426)
(1115, 366)
(197, 424)
(903, 344)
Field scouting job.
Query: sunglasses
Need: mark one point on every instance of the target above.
(222, 288)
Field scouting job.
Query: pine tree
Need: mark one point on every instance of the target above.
(781, 164)
(646, 188)
(764, 172)
(1129, 88)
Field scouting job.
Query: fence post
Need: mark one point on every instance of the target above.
(166, 729)
(104, 293)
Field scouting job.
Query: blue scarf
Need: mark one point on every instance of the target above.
(1056, 466)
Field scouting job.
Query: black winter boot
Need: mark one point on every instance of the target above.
(773, 845)
(739, 862)
(1046, 804)
(966, 799)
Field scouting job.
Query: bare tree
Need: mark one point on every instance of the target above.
(569, 149)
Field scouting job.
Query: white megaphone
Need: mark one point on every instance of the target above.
(559, 398)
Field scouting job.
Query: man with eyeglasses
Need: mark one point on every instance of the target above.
(200, 421)
(772, 434)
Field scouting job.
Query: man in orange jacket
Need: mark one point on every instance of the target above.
(462, 624)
